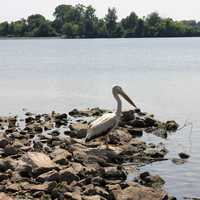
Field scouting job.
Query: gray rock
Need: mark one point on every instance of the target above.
(10, 150)
(114, 173)
(39, 162)
(178, 161)
(137, 123)
(4, 196)
(183, 155)
(68, 175)
(3, 141)
(49, 176)
(61, 156)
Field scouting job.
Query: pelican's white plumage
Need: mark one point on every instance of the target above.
(102, 125)
(109, 121)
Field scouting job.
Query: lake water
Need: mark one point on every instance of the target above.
(161, 75)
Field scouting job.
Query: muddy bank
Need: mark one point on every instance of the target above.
(44, 156)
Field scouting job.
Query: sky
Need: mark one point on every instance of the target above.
(11, 10)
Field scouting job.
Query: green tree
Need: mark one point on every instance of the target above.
(130, 22)
(70, 30)
(101, 28)
(34, 21)
(90, 22)
(18, 28)
(4, 29)
(44, 30)
(153, 21)
(81, 21)
(62, 13)
(38, 26)
(140, 28)
(111, 21)
(67, 13)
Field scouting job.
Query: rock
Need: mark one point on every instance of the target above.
(4, 176)
(5, 164)
(138, 143)
(119, 137)
(61, 116)
(79, 130)
(97, 111)
(183, 155)
(10, 130)
(178, 161)
(12, 187)
(128, 116)
(49, 176)
(77, 113)
(171, 126)
(3, 141)
(38, 128)
(38, 194)
(60, 119)
(61, 156)
(149, 121)
(103, 157)
(135, 132)
(91, 190)
(38, 117)
(151, 181)
(19, 144)
(12, 122)
(29, 114)
(137, 192)
(114, 173)
(98, 181)
(31, 187)
(160, 132)
(134, 148)
(68, 175)
(29, 120)
(72, 195)
(39, 162)
(4, 196)
(93, 197)
(48, 126)
(137, 123)
(87, 113)
(23, 168)
(10, 150)
(79, 169)
(154, 153)
(54, 133)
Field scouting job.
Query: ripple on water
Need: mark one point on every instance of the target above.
(181, 180)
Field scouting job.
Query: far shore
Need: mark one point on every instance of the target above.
(66, 38)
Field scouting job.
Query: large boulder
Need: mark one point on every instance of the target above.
(4, 196)
(39, 162)
(121, 136)
(135, 191)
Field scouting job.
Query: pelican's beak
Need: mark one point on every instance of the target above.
(127, 98)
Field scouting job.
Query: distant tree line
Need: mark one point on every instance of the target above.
(80, 21)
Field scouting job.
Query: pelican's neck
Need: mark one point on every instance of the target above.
(119, 103)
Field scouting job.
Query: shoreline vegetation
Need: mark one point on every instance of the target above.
(80, 21)
(44, 156)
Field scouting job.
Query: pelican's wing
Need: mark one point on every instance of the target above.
(103, 119)
(101, 126)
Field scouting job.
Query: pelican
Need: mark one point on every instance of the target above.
(108, 122)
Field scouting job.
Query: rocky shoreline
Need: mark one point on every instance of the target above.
(44, 156)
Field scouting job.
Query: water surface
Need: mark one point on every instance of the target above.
(161, 75)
